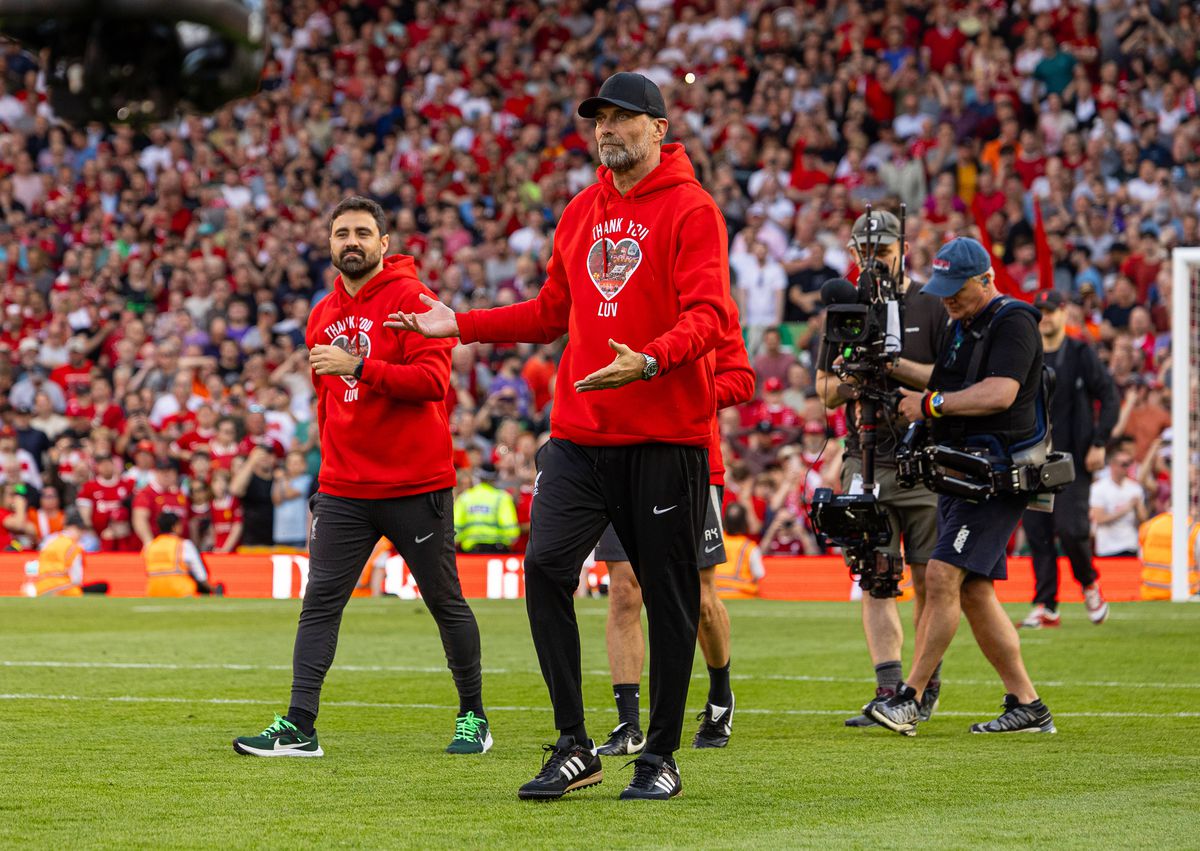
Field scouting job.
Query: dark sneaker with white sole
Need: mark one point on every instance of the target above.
(900, 712)
(471, 735)
(716, 725)
(282, 738)
(625, 740)
(865, 720)
(567, 765)
(1019, 718)
(655, 778)
(929, 701)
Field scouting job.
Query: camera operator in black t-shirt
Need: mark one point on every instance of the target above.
(988, 377)
(912, 512)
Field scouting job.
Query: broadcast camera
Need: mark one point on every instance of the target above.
(864, 325)
(141, 60)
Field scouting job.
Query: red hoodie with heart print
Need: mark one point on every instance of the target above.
(384, 435)
(649, 269)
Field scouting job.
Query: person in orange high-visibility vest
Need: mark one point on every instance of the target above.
(58, 571)
(1154, 550)
(739, 576)
(173, 564)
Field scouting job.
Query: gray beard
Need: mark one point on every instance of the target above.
(622, 159)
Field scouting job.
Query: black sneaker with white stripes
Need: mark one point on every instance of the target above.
(900, 712)
(567, 765)
(1019, 717)
(716, 725)
(655, 778)
(626, 739)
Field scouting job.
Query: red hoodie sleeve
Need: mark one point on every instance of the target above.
(701, 276)
(540, 320)
(734, 376)
(423, 377)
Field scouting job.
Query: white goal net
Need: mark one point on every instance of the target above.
(1185, 410)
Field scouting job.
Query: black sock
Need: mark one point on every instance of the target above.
(626, 695)
(578, 733)
(935, 679)
(304, 720)
(719, 693)
(471, 703)
(887, 675)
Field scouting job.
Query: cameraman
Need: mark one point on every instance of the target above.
(1083, 384)
(912, 513)
(988, 376)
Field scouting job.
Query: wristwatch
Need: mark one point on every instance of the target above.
(651, 368)
(935, 403)
(358, 369)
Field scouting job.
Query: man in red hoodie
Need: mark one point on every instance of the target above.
(640, 268)
(385, 472)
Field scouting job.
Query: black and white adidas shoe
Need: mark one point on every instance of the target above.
(716, 725)
(626, 739)
(567, 765)
(655, 778)
(900, 712)
(1019, 718)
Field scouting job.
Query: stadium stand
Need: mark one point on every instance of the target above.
(156, 282)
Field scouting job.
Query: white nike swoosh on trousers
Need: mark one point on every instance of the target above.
(423, 540)
(657, 510)
(712, 548)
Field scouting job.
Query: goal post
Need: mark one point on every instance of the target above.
(1185, 415)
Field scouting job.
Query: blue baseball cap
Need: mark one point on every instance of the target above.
(956, 261)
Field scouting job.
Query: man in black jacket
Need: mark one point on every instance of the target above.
(1081, 381)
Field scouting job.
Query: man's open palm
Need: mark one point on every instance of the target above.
(438, 321)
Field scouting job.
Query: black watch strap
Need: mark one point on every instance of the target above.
(358, 369)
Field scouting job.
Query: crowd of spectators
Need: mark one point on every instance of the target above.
(156, 282)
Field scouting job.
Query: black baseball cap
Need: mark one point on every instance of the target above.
(1049, 300)
(629, 91)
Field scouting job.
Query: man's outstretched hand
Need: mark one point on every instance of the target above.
(626, 368)
(438, 321)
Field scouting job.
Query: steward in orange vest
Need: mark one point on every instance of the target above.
(173, 564)
(1154, 549)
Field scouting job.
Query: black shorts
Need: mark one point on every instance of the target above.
(712, 547)
(974, 535)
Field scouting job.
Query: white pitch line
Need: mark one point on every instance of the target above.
(358, 704)
(418, 669)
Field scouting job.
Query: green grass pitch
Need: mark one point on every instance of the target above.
(116, 718)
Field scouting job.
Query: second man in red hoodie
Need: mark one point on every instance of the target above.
(386, 471)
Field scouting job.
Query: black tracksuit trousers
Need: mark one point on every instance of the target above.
(654, 495)
(1069, 522)
(344, 531)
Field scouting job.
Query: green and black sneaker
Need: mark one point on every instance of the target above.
(282, 738)
(471, 735)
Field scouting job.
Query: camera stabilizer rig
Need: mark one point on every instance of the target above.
(864, 324)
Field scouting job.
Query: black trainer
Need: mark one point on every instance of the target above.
(654, 779)
(716, 725)
(566, 766)
(900, 712)
(1019, 717)
(626, 739)
(929, 701)
(865, 719)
